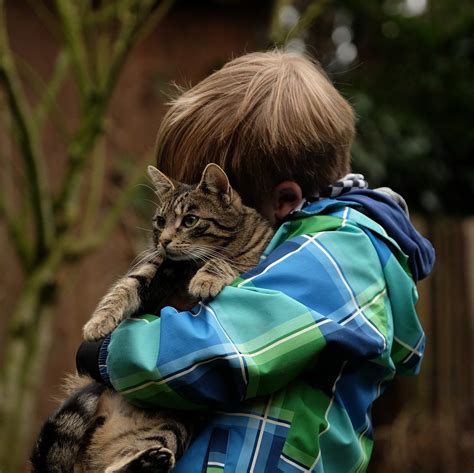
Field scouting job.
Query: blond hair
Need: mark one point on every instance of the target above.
(264, 118)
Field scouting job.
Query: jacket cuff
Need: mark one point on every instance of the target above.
(102, 361)
(91, 359)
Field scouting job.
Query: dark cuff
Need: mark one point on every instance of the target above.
(87, 359)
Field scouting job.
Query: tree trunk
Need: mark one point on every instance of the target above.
(27, 343)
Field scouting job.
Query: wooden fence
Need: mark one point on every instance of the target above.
(426, 424)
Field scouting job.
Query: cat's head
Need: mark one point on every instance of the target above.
(193, 222)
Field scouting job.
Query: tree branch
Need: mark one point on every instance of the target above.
(96, 187)
(54, 86)
(28, 141)
(136, 15)
(281, 36)
(77, 247)
(71, 26)
(16, 236)
(131, 25)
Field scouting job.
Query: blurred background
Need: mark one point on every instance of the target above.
(83, 86)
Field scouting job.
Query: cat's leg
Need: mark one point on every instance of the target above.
(122, 300)
(211, 278)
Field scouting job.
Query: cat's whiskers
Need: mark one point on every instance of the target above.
(143, 257)
(145, 229)
(146, 186)
(156, 204)
(206, 253)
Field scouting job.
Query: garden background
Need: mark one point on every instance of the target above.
(83, 86)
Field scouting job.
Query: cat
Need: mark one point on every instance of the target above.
(203, 238)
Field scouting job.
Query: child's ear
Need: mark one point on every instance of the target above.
(161, 182)
(215, 180)
(286, 197)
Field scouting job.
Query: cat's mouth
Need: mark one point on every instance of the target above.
(177, 256)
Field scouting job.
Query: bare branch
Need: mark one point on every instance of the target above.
(82, 245)
(27, 138)
(137, 14)
(16, 236)
(96, 187)
(54, 86)
(281, 36)
(132, 23)
(71, 26)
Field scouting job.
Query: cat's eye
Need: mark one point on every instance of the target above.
(160, 221)
(190, 220)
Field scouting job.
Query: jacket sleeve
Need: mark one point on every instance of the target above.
(315, 292)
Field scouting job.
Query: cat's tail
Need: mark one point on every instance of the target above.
(66, 430)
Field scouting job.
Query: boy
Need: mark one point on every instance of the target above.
(290, 357)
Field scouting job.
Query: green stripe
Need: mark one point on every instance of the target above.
(265, 368)
(309, 407)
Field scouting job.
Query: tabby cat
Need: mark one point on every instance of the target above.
(203, 237)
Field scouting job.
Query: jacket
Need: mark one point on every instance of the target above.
(291, 356)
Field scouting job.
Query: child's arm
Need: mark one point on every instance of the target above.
(321, 291)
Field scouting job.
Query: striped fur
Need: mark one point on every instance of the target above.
(203, 237)
(96, 430)
(225, 239)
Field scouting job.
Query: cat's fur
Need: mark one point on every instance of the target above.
(203, 237)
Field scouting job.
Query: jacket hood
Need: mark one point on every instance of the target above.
(389, 214)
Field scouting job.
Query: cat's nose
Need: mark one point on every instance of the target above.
(165, 241)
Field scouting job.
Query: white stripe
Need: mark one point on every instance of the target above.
(415, 350)
(284, 340)
(181, 373)
(138, 320)
(298, 467)
(240, 356)
(221, 465)
(364, 456)
(351, 293)
(310, 239)
(408, 347)
(326, 414)
(344, 217)
(260, 435)
(366, 306)
(254, 416)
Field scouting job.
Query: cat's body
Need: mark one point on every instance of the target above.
(96, 430)
(203, 238)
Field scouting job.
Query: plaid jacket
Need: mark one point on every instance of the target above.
(289, 357)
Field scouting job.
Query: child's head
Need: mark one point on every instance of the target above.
(265, 118)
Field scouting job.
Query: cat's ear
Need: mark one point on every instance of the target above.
(215, 180)
(162, 183)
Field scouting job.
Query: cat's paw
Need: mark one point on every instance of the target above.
(153, 460)
(204, 285)
(98, 328)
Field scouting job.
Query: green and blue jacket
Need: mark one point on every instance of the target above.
(290, 357)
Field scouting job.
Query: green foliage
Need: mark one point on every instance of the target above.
(410, 81)
(412, 90)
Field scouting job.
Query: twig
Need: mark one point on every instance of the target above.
(47, 91)
(77, 247)
(131, 25)
(16, 236)
(306, 19)
(51, 92)
(95, 193)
